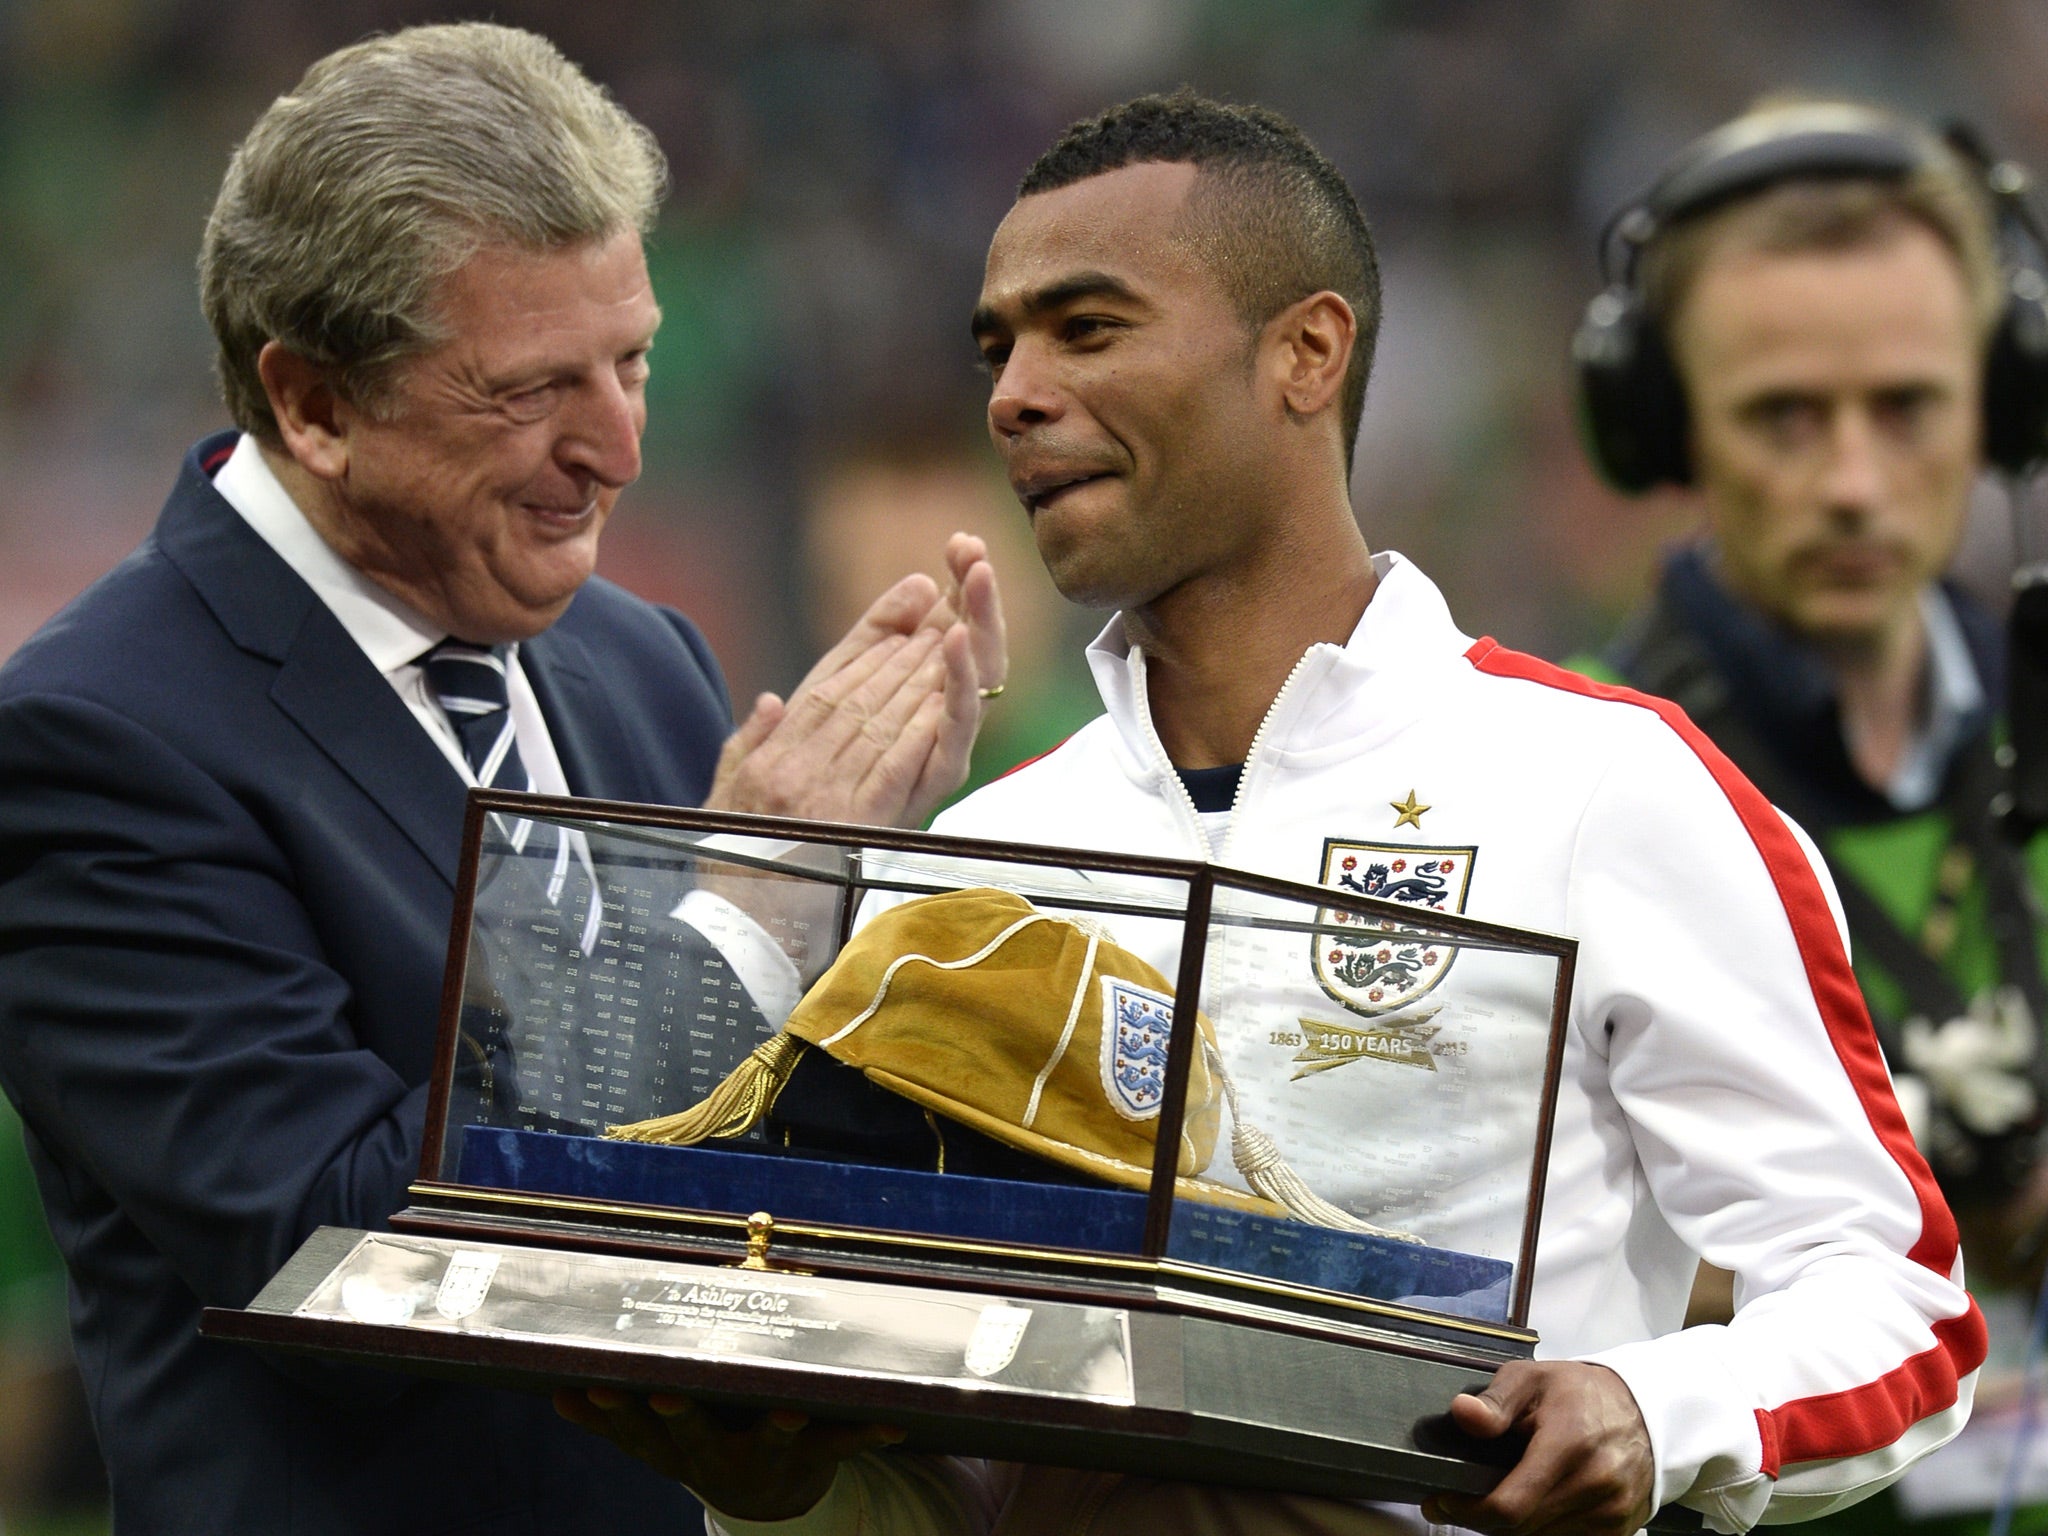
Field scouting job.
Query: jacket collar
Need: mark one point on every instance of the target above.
(390, 631)
(591, 740)
(1788, 695)
(258, 599)
(1368, 686)
(324, 682)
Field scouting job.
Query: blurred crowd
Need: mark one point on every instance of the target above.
(838, 166)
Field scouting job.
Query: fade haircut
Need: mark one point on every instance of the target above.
(1277, 220)
(1832, 213)
(386, 168)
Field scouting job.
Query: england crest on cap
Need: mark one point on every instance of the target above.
(1137, 1023)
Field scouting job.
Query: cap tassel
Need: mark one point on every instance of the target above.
(1259, 1162)
(733, 1108)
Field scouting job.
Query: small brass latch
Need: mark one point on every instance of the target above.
(760, 1233)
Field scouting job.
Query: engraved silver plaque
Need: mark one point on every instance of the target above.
(844, 1327)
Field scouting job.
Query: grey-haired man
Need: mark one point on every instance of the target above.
(235, 767)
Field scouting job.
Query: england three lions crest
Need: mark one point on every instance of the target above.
(1377, 972)
(1137, 1024)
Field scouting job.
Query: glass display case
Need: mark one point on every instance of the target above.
(1034, 1153)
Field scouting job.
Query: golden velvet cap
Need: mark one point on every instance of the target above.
(1039, 1031)
(1034, 1029)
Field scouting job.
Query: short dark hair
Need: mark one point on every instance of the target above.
(1284, 222)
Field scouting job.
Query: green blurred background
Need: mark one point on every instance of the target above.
(815, 413)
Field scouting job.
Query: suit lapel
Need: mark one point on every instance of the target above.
(351, 712)
(324, 683)
(589, 737)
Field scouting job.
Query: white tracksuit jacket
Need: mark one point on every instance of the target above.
(1722, 1095)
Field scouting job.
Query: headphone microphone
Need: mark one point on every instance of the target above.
(2022, 335)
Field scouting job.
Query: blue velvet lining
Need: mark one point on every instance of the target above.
(1441, 1279)
(800, 1189)
(992, 1210)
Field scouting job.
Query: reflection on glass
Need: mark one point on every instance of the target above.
(1384, 1085)
(956, 1045)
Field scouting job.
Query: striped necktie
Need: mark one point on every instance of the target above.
(468, 682)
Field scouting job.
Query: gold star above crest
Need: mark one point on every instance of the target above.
(1411, 812)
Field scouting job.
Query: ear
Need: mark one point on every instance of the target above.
(312, 419)
(1309, 347)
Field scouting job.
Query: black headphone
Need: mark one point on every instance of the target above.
(1631, 406)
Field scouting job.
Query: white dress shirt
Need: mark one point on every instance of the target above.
(395, 637)
(1954, 696)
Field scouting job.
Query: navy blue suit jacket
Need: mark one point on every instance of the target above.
(227, 863)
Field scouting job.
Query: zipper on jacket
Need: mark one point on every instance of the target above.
(1192, 818)
(1244, 778)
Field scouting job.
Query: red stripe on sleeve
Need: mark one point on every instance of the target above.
(1874, 1415)
(1767, 1435)
(1865, 1418)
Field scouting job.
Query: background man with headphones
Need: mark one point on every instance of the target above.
(1827, 320)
